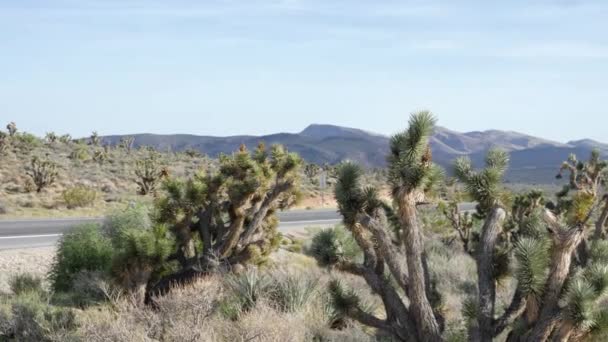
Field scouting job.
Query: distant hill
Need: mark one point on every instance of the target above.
(533, 159)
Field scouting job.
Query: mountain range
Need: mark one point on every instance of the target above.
(533, 160)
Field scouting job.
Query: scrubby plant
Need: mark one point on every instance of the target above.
(4, 142)
(84, 248)
(79, 196)
(43, 172)
(232, 211)
(100, 156)
(126, 143)
(149, 172)
(25, 282)
(25, 141)
(80, 152)
(290, 292)
(33, 319)
(65, 139)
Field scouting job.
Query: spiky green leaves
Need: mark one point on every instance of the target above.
(352, 198)
(485, 185)
(333, 245)
(532, 257)
(410, 160)
(343, 299)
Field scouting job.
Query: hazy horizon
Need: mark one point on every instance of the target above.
(265, 66)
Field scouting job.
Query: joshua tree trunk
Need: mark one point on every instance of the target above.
(420, 306)
(565, 243)
(601, 222)
(485, 271)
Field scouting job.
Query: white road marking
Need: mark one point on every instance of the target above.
(28, 236)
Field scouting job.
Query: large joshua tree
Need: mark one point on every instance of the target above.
(559, 295)
(368, 218)
(232, 212)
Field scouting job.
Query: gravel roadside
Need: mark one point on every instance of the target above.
(36, 261)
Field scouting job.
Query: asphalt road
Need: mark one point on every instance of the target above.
(27, 233)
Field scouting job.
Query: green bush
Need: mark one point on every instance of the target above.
(84, 248)
(121, 221)
(23, 283)
(79, 196)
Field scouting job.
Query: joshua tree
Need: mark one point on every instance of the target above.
(95, 139)
(311, 171)
(42, 172)
(368, 219)
(12, 129)
(232, 211)
(462, 222)
(557, 296)
(126, 143)
(51, 137)
(149, 172)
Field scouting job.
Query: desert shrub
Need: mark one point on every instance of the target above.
(291, 292)
(247, 288)
(33, 319)
(3, 208)
(79, 196)
(25, 282)
(119, 221)
(80, 153)
(84, 248)
(88, 288)
(26, 141)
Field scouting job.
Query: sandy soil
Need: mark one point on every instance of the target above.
(32, 260)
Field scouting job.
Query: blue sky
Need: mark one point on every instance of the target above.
(220, 67)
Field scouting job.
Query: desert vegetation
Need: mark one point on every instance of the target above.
(201, 258)
(57, 175)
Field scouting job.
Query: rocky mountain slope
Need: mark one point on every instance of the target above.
(533, 159)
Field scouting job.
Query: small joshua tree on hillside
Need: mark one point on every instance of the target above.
(312, 171)
(51, 137)
(42, 172)
(95, 139)
(232, 211)
(149, 172)
(12, 129)
(126, 143)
